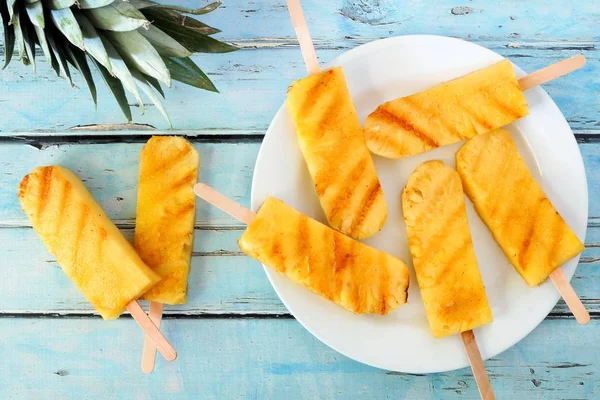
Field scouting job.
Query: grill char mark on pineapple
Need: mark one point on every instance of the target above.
(45, 182)
(169, 162)
(62, 202)
(367, 203)
(408, 127)
(340, 204)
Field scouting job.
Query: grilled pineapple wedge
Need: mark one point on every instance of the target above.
(353, 275)
(448, 113)
(442, 250)
(523, 221)
(164, 228)
(87, 245)
(337, 157)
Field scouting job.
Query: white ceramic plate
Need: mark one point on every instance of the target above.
(378, 72)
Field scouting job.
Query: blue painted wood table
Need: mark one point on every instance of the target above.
(235, 338)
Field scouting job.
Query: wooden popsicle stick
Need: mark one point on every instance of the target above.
(162, 344)
(569, 296)
(220, 201)
(149, 352)
(552, 72)
(479, 371)
(306, 44)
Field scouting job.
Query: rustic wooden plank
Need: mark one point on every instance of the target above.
(111, 173)
(253, 84)
(222, 280)
(267, 359)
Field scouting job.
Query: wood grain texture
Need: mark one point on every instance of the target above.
(222, 281)
(268, 359)
(46, 334)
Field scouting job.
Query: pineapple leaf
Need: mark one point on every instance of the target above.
(41, 35)
(31, 1)
(164, 44)
(92, 42)
(9, 34)
(191, 39)
(154, 82)
(147, 89)
(122, 72)
(140, 4)
(10, 6)
(35, 11)
(65, 21)
(28, 40)
(77, 58)
(87, 4)
(59, 56)
(118, 16)
(140, 54)
(167, 18)
(186, 71)
(58, 4)
(19, 37)
(116, 88)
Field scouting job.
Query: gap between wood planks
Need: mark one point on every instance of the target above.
(44, 140)
(190, 315)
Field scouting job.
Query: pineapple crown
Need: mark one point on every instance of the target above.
(135, 45)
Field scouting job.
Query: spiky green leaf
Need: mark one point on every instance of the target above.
(35, 11)
(29, 40)
(191, 39)
(164, 44)
(147, 89)
(9, 34)
(138, 52)
(59, 55)
(141, 4)
(168, 18)
(78, 59)
(92, 42)
(154, 82)
(186, 71)
(116, 88)
(10, 5)
(58, 4)
(41, 35)
(121, 71)
(20, 42)
(118, 16)
(87, 4)
(65, 21)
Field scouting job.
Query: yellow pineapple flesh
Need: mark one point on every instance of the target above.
(353, 275)
(164, 228)
(442, 250)
(448, 113)
(339, 162)
(523, 221)
(87, 245)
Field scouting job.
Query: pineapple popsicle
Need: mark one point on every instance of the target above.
(353, 275)
(448, 113)
(87, 245)
(440, 243)
(339, 162)
(523, 221)
(164, 228)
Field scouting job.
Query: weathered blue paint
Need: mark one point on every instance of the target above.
(222, 280)
(253, 84)
(73, 355)
(268, 359)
